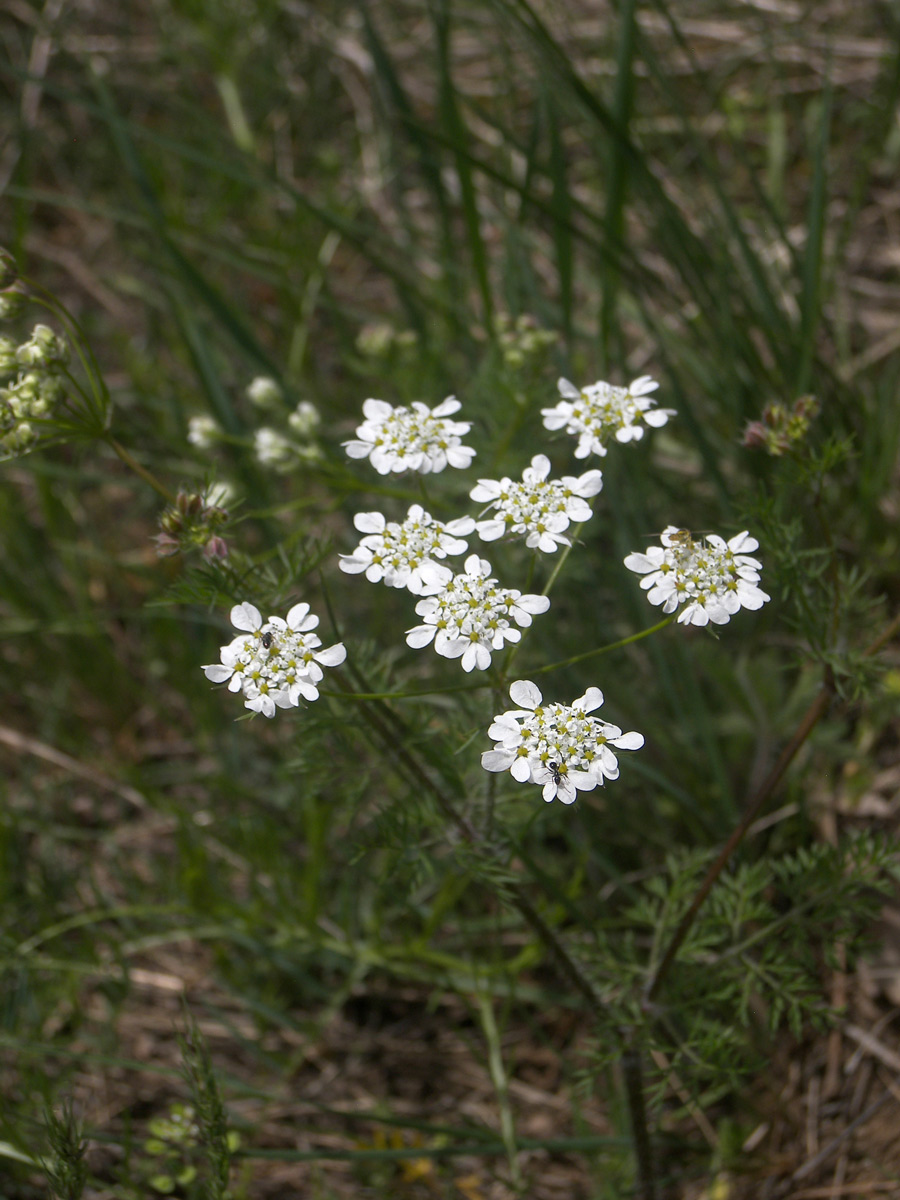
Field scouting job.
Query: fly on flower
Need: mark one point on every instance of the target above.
(274, 666)
(711, 578)
(560, 747)
(600, 413)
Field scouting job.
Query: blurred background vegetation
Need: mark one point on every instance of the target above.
(362, 199)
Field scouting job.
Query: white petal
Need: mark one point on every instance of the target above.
(642, 386)
(357, 449)
(459, 456)
(369, 522)
(592, 699)
(629, 741)
(521, 769)
(498, 760)
(486, 489)
(217, 672)
(525, 693)
(641, 563)
(420, 636)
(553, 419)
(332, 656)
(246, 616)
(489, 531)
(352, 565)
(743, 543)
(459, 528)
(298, 620)
(568, 389)
(533, 604)
(376, 410)
(588, 484)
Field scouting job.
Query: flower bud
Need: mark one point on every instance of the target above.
(304, 419)
(12, 302)
(9, 364)
(43, 349)
(265, 392)
(216, 547)
(203, 432)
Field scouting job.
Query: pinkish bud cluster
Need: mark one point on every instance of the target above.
(781, 428)
(192, 522)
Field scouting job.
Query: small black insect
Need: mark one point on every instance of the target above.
(267, 640)
(553, 768)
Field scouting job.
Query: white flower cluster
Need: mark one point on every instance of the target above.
(402, 556)
(411, 439)
(560, 747)
(33, 387)
(600, 412)
(469, 617)
(538, 507)
(276, 663)
(712, 578)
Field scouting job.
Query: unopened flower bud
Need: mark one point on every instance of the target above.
(216, 547)
(273, 449)
(12, 302)
(375, 340)
(8, 361)
(755, 436)
(172, 521)
(203, 432)
(43, 349)
(166, 545)
(265, 392)
(304, 419)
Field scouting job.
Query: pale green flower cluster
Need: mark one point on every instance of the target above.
(33, 387)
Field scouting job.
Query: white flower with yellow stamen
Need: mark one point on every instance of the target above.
(560, 747)
(411, 439)
(710, 577)
(600, 413)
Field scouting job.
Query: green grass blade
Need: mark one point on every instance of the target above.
(811, 294)
(453, 122)
(617, 181)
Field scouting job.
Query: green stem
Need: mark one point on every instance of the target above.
(627, 641)
(135, 466)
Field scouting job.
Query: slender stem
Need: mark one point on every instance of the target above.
(808, 722)
(514, 649)
(810, 719)
(135, 466)
(626, 641)
(634, 1091)
(390, 731)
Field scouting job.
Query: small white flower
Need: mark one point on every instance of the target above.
(538, 507)
(203, 432)
(561, 747)
(264, 392)
(402, 556)
(470, 616)
(273, 449)
(712, 578)
(600, 412)
(276, 663)
(220, 494)
(304, 420)
(411, 439)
